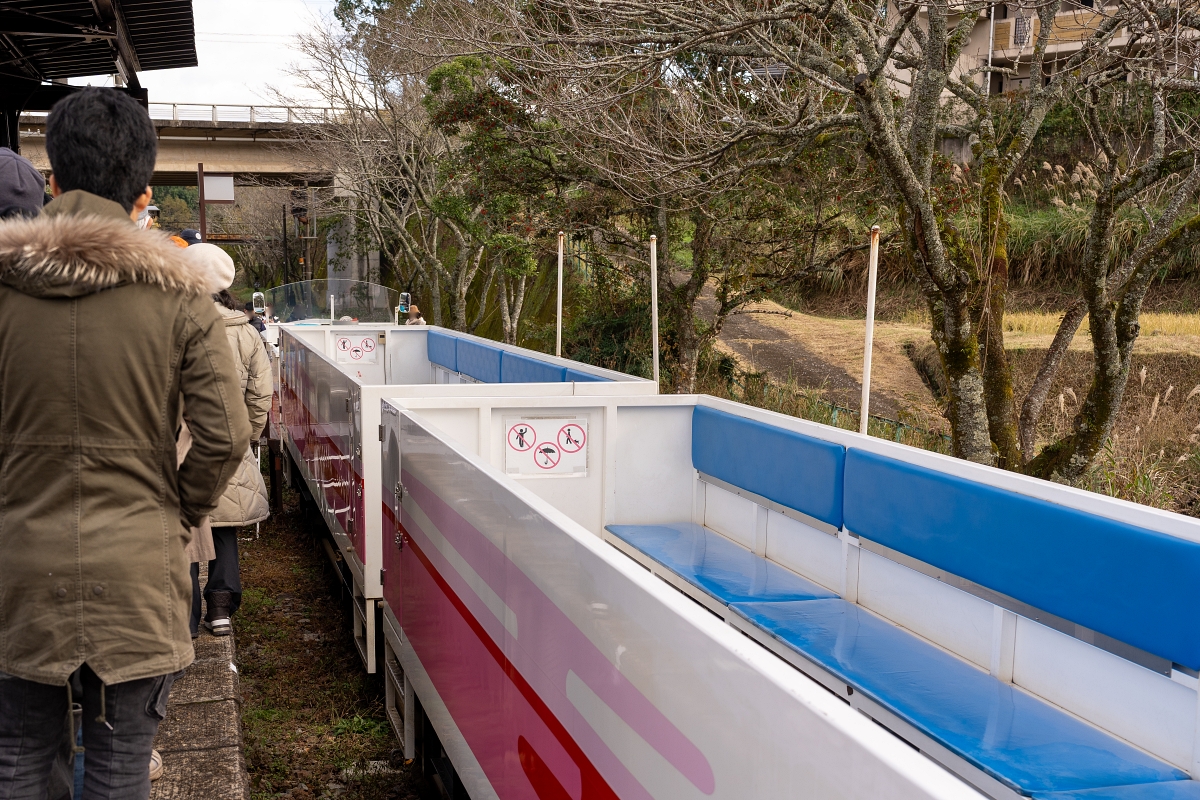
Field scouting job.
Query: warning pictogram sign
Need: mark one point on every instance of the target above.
(547, 456)
(572, 437)
(521, 437)
(356, 349)
(545, 446)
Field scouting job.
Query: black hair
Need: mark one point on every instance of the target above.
(224, 298)
(249, 305)
(101, 141)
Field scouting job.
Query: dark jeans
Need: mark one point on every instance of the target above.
(34, 724)
(223, 574)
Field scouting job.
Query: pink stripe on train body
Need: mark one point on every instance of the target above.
(487, 708)
(554, 645)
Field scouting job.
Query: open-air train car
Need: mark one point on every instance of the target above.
(693, 598)
(331, 381)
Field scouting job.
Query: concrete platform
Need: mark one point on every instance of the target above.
(201, 738)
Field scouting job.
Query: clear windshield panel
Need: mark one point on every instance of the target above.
(339, 299)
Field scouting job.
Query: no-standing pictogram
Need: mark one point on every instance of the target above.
(344, 344)
(572, 438)
(521, 437)
(547, 456)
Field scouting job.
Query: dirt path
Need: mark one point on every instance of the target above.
(827, 354)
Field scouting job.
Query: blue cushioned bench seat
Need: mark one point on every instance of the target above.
(1020, 741)
(789, 468)
(584, 377)
(479, 361)
(518, 368)
(723, 571)
(1164, 790)
(489, 364)
(1136, 585)
(442, 350)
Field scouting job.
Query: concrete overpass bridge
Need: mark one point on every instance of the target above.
(257, 144)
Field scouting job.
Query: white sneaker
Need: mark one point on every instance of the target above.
(156, 765)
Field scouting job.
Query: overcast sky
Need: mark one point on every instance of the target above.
(245, 47)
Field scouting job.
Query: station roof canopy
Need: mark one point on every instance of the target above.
(43, 40)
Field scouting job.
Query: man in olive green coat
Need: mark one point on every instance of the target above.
(106, 333)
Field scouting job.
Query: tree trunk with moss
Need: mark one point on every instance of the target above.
(989, 316)
(683, 300)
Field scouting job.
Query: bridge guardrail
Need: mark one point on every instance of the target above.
(219, 112)
(216, 112)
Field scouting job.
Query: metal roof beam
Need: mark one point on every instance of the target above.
(125, 56)
(125, 44)
(13, 47)
(18, 22)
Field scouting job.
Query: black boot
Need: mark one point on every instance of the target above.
(217, 618)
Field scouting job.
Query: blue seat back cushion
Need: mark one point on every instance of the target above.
(442, 351)
(794, 470)
(583, 377)
(479, 361)
(1025, 742)
(518, 368)
(1133, 584)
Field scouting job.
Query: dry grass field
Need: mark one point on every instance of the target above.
(1153, 458)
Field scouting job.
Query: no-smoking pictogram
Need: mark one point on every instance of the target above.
(572, 438)
(521, 437)
(547, 456)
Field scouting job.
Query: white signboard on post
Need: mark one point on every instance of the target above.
(218, 188)
(542, 446)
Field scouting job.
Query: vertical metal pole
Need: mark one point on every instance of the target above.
(872, 275)
(310, 244)
(285, 252)
(987, 81)
(332, 317)
(558, 330)
(654, 301)
(203, 219)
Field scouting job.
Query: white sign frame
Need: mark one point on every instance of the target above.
(546, 447)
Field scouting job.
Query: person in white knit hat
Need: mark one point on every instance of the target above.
(245, 500)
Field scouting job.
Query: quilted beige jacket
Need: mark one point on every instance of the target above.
(245, 500)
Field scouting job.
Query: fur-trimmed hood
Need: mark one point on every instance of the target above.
(69, 255)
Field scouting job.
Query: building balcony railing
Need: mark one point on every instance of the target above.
(1021, 31)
